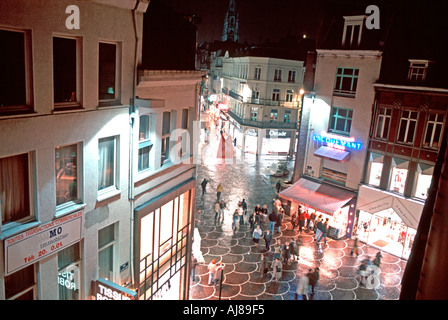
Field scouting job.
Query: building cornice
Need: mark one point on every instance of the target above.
(410, 88)
(349, 53)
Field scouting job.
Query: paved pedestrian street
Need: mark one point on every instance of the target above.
(250, 180)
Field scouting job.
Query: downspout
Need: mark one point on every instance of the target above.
(132, 111)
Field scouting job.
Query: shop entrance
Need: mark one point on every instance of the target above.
(386, 230)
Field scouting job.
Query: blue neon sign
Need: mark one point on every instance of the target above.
(338, 142)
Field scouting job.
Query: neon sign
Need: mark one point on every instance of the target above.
(338, 142)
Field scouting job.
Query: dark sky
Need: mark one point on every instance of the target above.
(258, 19)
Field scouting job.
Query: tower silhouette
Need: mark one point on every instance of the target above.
(230, 30)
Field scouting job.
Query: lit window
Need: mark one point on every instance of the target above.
(145, 145)
(69, 273)
(287, 116)
(291, 76)
(289, 95)
(107, 163)
(166, 131)
(340, 120)
(107, 71)
(274, 115)
(346, 82)
(106, 248)
(66, 167)
(14, 188)
(408, 124)
(418, 70)
(383, 123)
(433, 136)
(375, 169)
(423, 180)
(253, 113)
(64, 71)
(398, 175)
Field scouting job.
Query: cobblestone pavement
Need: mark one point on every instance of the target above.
(241, 255)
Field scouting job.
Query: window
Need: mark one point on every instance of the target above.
(375, 169)
(383, 123)
(253, 113)
(287, 116)
(257, 73)
(289, 95)
(275, 94)
(346, 82)
(274, 114)
(166, 130)
(15, 188)
(399, 175)
(107, 71)
(433, 135)
(408, 124)
(106, 248)
(21, 285)
(15, 83)
(69, 280)
(107, 163)
(291, 76)
(64, 71)
(340, 120)
(418, 70)
(66, 167)
(423, 180)
(351, 35)
(255, 94)
(277, 75)
(144, 145)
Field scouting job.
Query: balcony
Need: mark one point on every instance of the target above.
(263, 124)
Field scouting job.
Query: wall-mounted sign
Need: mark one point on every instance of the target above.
(274, 133)
(107, 290)
(42, 241)
(338, 142)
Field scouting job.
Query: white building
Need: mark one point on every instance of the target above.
(264, 99)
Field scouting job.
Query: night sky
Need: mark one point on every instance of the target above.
(259, 20)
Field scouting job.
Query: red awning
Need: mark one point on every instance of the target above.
(332, 154)
(321, 197)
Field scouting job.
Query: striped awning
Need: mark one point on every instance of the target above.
(321, 197)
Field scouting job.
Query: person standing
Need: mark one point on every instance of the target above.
(272, 221)
(222, 206)
(294, 219)
(217, 209)
(312, 220)
(319, 226)
(257, 234)
(194, 263)
(325, 231)
(211, 271)
(240, 214)
(218, 274)
(219, 189)
(286, 253)
(254, 221)
(355, 247)
(278, 186)
(264, 265)
(204, 185)
(280, 219)
(244, 206)
(235, 219)
(277, 269)
(268, 239)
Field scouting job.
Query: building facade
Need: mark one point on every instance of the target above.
(263, 99)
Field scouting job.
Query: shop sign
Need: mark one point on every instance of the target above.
(107, 290)
(42, 241)
(252, 132)
(338, 142)
(278, 134)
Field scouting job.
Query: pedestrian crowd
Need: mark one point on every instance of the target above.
(285, 252)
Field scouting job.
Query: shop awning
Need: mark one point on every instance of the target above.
(332, 154)
(321, 197)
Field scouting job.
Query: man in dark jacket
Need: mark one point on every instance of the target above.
(267, 238)
(313, 277)
(272, 221)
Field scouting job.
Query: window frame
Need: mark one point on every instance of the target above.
(340, 74)
(292, 76)
(115, 179)
(407, 121)
(257, 75)
(117, 84)
(336, 116)
(276, 94)
(435, 123)
(28, 76)
(58, 106)
(277, 75)
(383, 123)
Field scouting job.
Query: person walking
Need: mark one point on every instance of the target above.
(219, 189)
(294, 220)
(278, 186)
(325, 231)
(272, 221)
(279, 219)
(311, 222)
(254, 221)
(240, 214)
(267, 239)
(277, 269)
(235, 219)
(211, 271)
(319, 227)
(303, 287)
(313, 277)
(222, 206)
(217, 209)
(355, 247)
(204, 185)
(264, 213)
(286, 253)
(218, 274)
(295, 248)
(243, 205)
(264, 265)
(257, 234)
(302, 219)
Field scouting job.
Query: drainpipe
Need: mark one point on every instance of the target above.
(132, 115)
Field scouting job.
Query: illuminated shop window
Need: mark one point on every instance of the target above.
(69, 274)
(375, 168)
(423, 180)
(399, 175)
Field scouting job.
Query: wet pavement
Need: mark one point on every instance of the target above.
(249, 178)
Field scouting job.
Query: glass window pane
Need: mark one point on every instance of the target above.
(106, 68)
(19, 281)
(66, 173)
(106, 163)
(64, 69)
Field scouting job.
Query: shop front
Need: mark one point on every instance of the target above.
(331, 202)
(163, 235)
(278, 142)
(387, 221)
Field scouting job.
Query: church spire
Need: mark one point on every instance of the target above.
(230, 30)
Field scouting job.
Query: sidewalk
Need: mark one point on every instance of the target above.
(236, 249)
